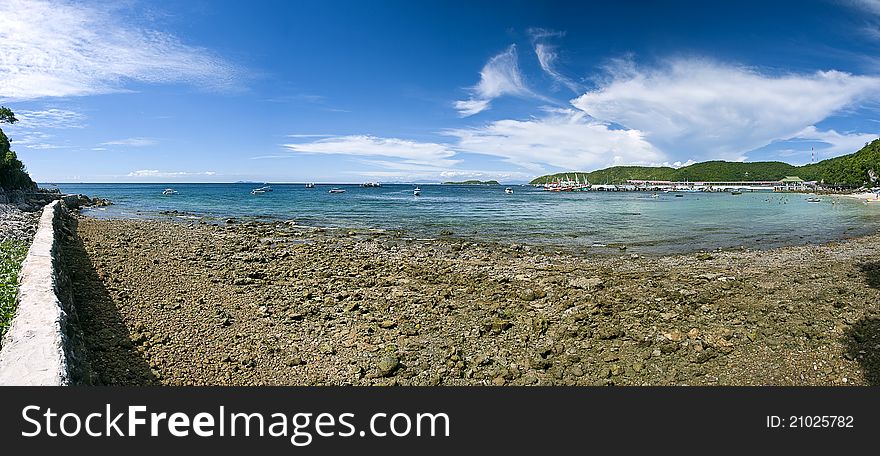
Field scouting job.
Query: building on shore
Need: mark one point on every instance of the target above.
(789, 183)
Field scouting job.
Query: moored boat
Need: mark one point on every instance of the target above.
(337, 190)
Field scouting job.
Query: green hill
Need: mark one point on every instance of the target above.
(852, 169)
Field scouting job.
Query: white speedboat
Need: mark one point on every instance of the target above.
(417, 191)
(169, 191)
(508, 190)
(813, 199)
(337, 190)
(257, 191)
(265, 188)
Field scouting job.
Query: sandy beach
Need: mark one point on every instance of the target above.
(164, 302)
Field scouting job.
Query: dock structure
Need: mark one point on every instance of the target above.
(789, 183)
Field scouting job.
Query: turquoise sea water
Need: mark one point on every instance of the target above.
(571, 220)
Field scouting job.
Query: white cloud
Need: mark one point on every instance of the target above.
(871, 6)
(470, 107)
(444, 175)
(500, 76)
(564, 138)
(168, 174)
(59, 49)
(547, 56)
(35, 140)
(412, 152)
(28, 131)
(131, 142)
(50, 118)
(838, 143)
(708, 110)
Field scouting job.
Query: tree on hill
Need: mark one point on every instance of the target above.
(13, 175)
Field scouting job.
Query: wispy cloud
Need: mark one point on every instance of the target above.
(364, 145)
(131, 142)
(547, 56)
(50, 118)
(168, 174)
(29, 131)
(60, 49)
(563, 138)
(36, 140)
(500, 76)
(871, 6)
(837, 143)
(710, 110)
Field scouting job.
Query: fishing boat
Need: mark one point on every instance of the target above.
(417, 191)
(508, 190)
(310, 185)
(169, 191)
(337, 190)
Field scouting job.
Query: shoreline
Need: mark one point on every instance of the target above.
(269, 304)
(599, 249)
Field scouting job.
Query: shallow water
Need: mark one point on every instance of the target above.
(572, 220)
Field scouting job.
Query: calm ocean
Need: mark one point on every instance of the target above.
(530, 216)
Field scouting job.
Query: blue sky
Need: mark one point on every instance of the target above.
(204, 91)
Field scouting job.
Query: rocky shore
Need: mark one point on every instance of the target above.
(163, 302)
(17, 225)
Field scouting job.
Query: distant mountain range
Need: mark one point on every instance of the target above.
(473, 182)
(860, 168)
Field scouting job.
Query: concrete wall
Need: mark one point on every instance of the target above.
(35, 348)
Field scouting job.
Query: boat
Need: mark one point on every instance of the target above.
(508, 190)
(679, 195)
(257, 191)
(337, 190)
(417, 191)
(654, 195)
(736, 192)
(310, 185)
(169, 191)
(813, 199)
(371, 184)
(265, 188)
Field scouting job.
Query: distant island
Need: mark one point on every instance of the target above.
(473, 182)
(856, 169)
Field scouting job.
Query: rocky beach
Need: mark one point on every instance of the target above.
(17, 225)
(247, 303)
